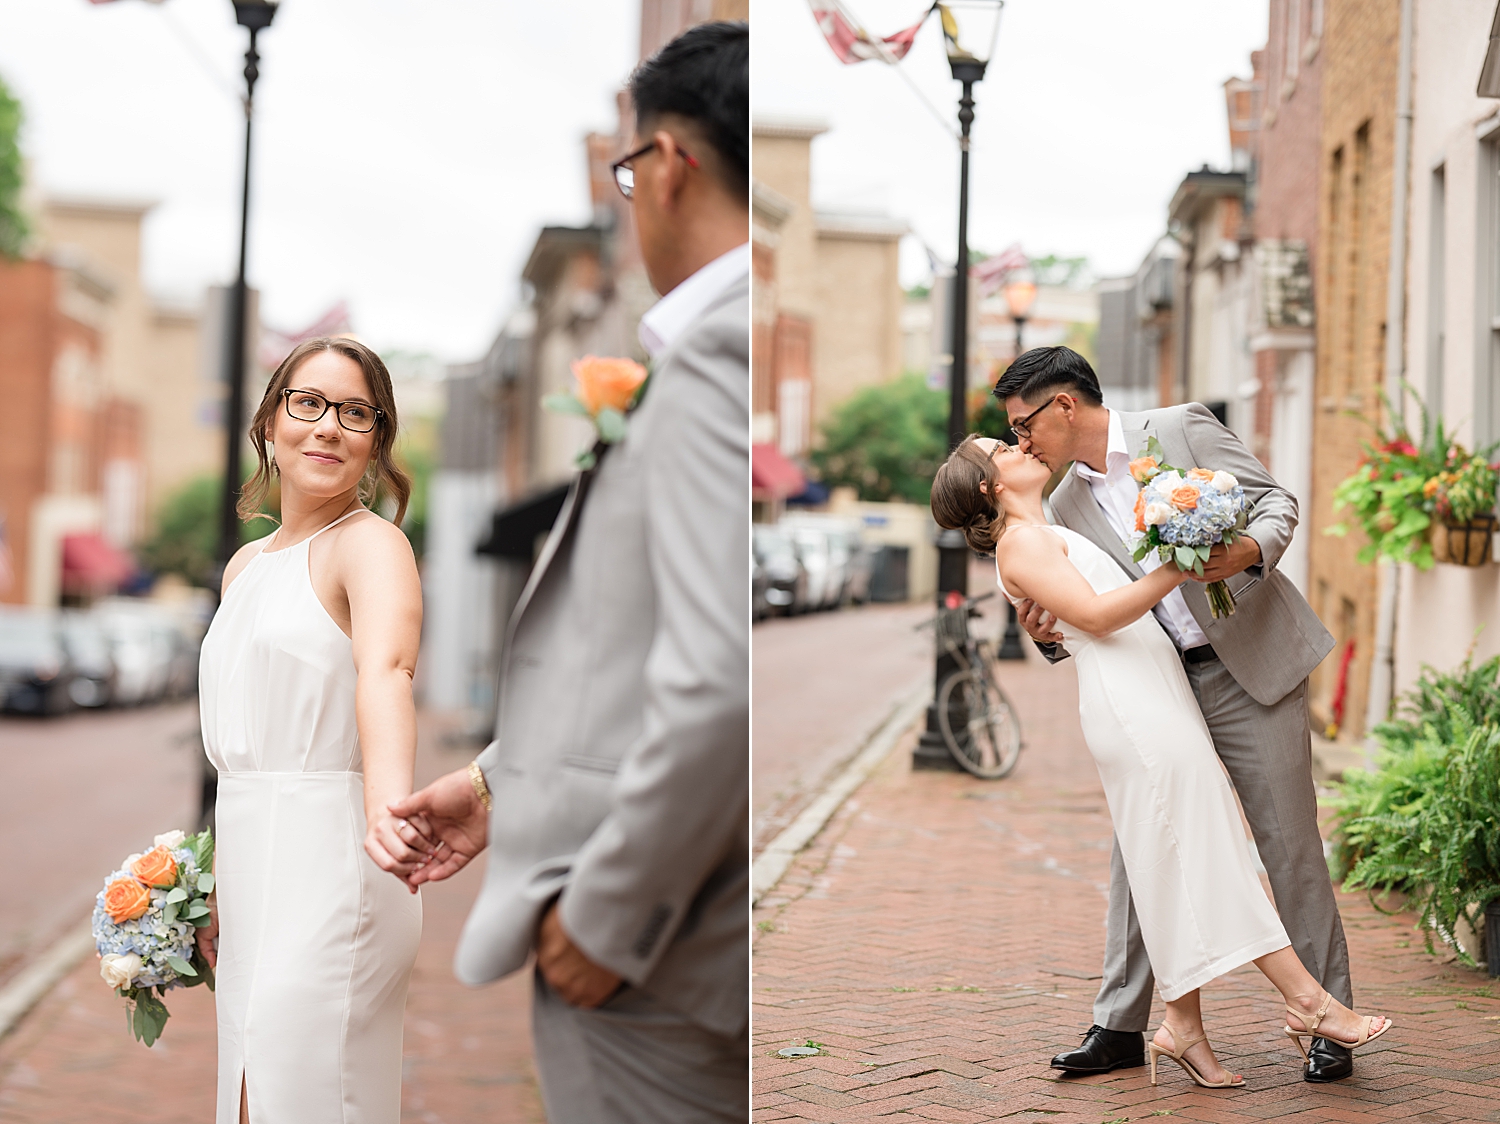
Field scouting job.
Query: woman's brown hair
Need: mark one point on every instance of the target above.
(959, 504)
(383, 471)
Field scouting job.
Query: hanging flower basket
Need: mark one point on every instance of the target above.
(1464, 544)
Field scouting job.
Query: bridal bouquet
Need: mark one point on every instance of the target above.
(1182, 515)
(145, 922)
(608, 389)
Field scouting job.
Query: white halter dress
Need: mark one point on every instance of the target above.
(1201, 906)
(316, 943)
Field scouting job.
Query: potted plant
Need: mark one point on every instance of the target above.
(1386, 493)
(1463, 501)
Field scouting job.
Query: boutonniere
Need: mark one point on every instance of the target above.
(608, 389)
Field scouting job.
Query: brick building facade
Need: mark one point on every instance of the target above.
(1359, 48)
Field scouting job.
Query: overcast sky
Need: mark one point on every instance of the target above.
(1089, 116)
(407, 151)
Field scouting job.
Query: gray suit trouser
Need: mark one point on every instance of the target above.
(635, 1061)
(1267, 751)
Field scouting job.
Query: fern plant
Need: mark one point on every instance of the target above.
(1427, 823)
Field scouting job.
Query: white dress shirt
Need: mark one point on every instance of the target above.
(665, 320)
(1115, 491)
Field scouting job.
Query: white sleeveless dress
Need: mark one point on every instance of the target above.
(316, 943)
(1200, 904)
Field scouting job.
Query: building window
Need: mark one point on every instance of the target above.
(1487, 303)
(1437, 225)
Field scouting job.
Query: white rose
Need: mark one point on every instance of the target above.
(1224, 482)
(1157, 513)
(1166, 482)
(118, 971)
(172, 839)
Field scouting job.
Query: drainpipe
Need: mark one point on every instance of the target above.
(1383, 672)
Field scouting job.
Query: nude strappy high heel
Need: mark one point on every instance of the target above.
(1311, 1031)
(1234, 1081)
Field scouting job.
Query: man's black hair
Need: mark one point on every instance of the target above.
(703, 75)
(1049, 369)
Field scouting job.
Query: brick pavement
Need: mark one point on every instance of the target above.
(100, 782)
(820, 683)
(942, 939)
(467, 1052)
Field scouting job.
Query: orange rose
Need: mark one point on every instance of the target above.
(1200, 474)
(1143, 469)
(607, 382)
(156, 867)
(1184, 498)
(125, 899)
(1140, 511)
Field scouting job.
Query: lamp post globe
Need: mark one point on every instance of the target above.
(970, 30)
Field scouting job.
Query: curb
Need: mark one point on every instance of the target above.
(34, 981)
(773, 862)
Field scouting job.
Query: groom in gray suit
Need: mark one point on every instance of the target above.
(1249, 671)
(614, 799)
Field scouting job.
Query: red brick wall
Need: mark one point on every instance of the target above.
(27, 340)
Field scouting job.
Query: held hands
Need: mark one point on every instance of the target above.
(398, 846)
(448, 819)
(575, 978)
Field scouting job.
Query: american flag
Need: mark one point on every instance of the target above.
(852, 43)
(992, 273)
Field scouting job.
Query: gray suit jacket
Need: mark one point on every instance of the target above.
(1274, 639)
(620, 766)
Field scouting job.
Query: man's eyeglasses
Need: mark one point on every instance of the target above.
(310, 406)
(1022, 428)
(625, 175)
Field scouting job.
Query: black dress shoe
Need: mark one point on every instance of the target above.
(1327, 1061)
(1104, 1050)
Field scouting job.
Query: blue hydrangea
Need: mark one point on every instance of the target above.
(1205, 525)
(150, 936)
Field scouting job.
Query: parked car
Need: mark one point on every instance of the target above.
(88, 647)
(142, 643)
(785, 578)
(824, 579)
(35, 671)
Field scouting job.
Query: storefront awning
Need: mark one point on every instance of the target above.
(91, 563)
(772, 476)
(514, 529)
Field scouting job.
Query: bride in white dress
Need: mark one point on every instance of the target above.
(305, 692)
(1201, 906)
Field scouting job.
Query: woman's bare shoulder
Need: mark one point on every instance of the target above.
(1030, 538)
(239, 560)
(368, 539)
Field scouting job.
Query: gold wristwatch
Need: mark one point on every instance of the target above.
(481, 790)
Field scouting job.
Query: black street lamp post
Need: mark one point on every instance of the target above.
(980, 24)
(256, 16)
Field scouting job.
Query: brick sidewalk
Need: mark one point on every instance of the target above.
(942, 939)
(467, 1052)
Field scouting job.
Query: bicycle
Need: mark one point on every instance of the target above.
(976, 718)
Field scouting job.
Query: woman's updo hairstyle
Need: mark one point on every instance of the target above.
(958, 504)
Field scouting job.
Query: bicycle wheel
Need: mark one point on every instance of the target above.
(979, 724)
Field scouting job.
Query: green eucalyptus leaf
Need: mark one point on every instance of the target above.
(206, 883)
(1185, 557)
(565, 404)
(169, 913)
(181, 966)
(177, 895)
(611, 425)
(197, 909)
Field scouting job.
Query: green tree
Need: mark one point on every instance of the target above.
(187, 531)
(886, 441)
(13, 226)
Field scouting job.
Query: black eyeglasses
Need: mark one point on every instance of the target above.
(625, 176)
(310, 406)
(1022, 428)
